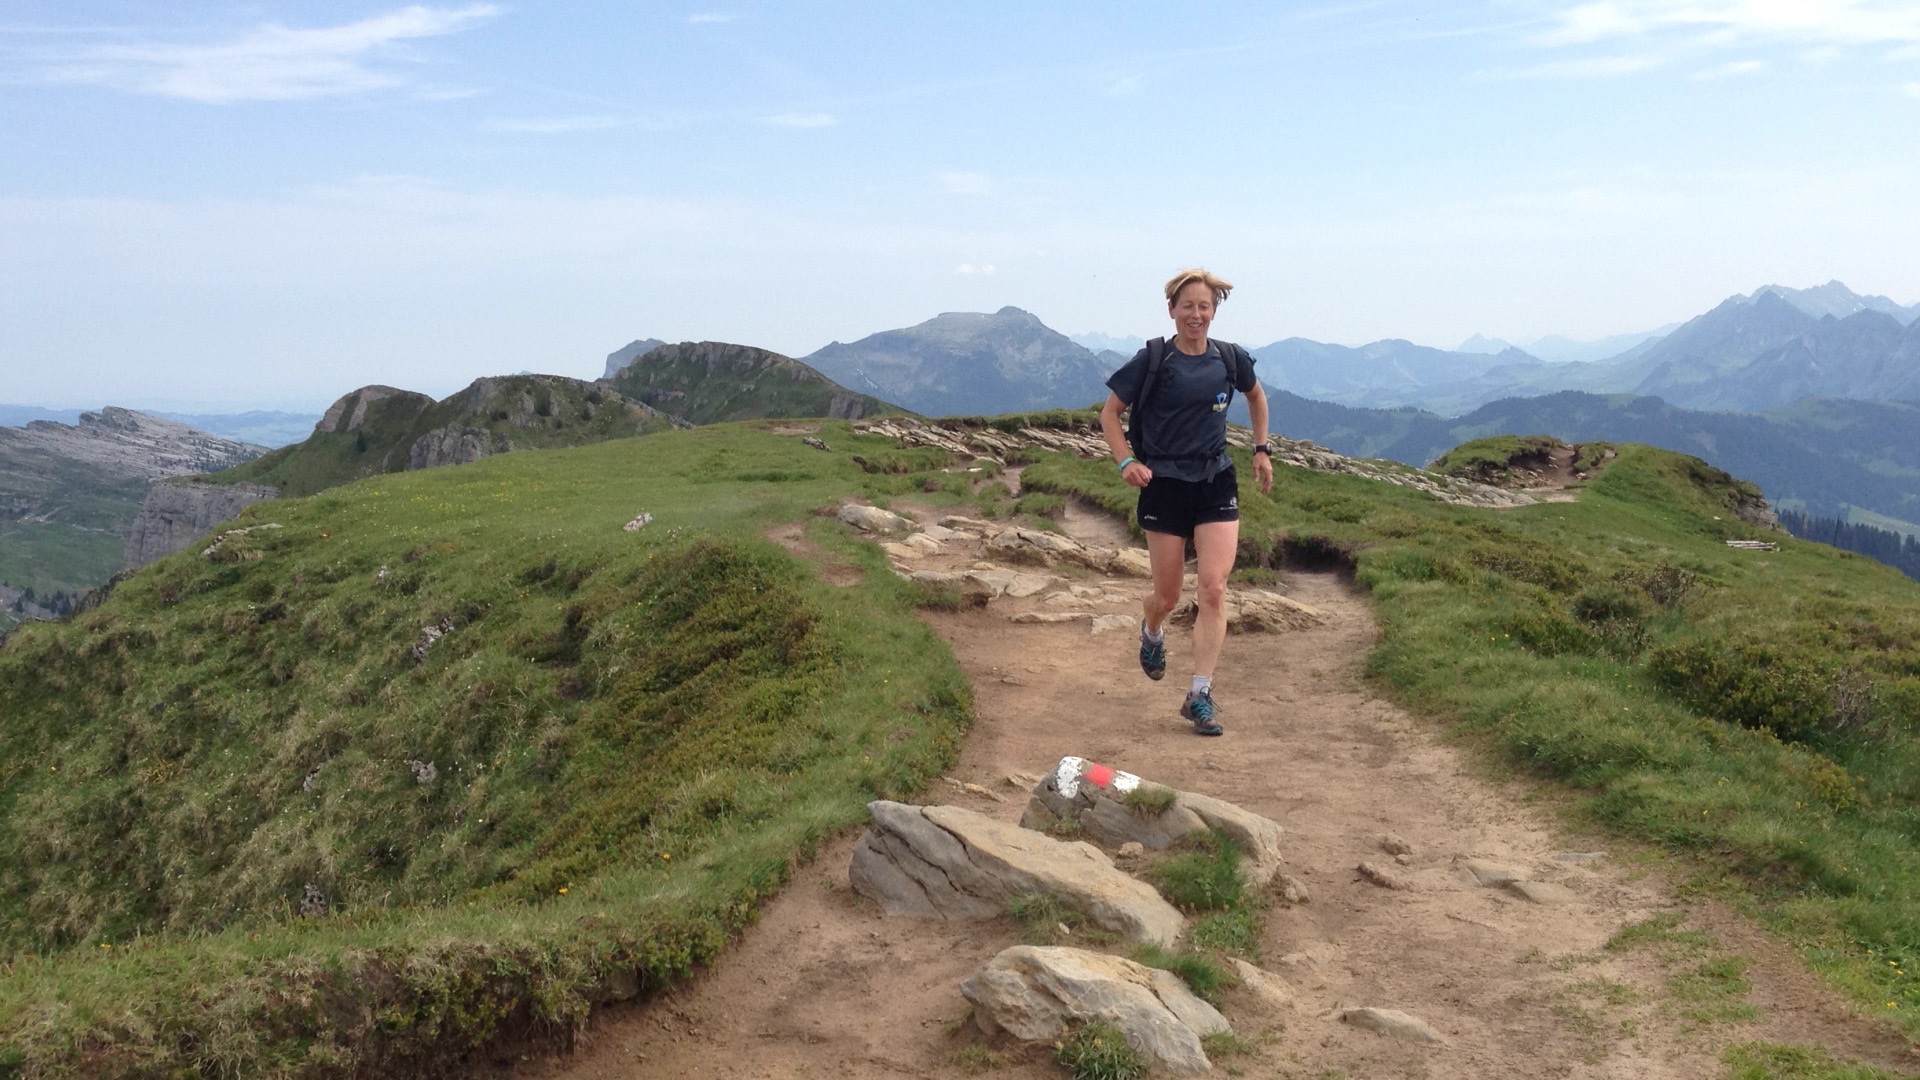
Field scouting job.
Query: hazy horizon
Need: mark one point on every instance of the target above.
(204, 206)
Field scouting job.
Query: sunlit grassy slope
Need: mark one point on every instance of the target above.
(255, 816)
(223, 851)
(1756, 709)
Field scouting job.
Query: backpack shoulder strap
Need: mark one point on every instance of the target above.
(1230, 358)
(1156, 359)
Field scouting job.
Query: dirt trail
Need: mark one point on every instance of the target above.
(827, 986)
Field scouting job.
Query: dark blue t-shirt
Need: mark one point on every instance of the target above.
(1183, 435)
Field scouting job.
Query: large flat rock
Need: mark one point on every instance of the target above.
(946, 862)
(1035, 993)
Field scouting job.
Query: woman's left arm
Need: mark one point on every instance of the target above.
(1257, 414)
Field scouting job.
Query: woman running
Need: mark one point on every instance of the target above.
(1175, 452)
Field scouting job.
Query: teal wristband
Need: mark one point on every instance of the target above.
(1124, 464)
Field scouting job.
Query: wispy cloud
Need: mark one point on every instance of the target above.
(801, 120)
(271, 62)
(1913, 89)
(714, 17)
(1588, 67)
(965, 183)
(1729, 70)
(553, 125)
(970, 270)
(1839, 22)
(1125, 86)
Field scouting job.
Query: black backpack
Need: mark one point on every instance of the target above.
(1157, 358)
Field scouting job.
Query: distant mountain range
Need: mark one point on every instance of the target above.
(1852, 460)
(971, 363)
(1750, 353)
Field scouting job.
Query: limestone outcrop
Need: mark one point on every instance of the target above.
(1035, 993)
(946, 862)
(178, 512)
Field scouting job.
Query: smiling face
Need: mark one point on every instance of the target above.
(1192, 311)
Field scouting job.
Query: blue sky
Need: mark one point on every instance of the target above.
(268, 204)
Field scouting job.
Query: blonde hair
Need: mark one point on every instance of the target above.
(1220, 286)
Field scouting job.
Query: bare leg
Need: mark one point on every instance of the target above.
(1216, 544)
(1168, 554)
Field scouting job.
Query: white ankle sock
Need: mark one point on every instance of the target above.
(1155, 636)
(1202, 684)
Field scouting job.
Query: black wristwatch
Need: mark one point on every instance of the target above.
(1263, 448)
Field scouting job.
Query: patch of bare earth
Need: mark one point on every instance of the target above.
(827, 986)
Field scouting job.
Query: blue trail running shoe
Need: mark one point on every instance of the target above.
(1153, 655)
(1199, 709)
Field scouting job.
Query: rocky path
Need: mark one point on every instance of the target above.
(827, 986)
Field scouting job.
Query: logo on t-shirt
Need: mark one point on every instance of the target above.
(1219, 403)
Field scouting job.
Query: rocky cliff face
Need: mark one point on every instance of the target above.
(177, 512)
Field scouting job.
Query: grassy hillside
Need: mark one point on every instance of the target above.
(368, 433)
(711, 382)
(1754, 710)
(446, 757)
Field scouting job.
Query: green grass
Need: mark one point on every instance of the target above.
(1492, 460)
(1754, 712)
(218, 853)
(1771, 1061)
(1202, 973)
(1203, 875)
(1098, 1051)
(1235, 931)
(1150, 800)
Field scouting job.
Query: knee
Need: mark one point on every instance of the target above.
(1212, 594)
(1167, 596)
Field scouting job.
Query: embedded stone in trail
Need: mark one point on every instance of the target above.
(1390, 1022)
(1481, 872)
(1101, 800)
(946, 862)
(1268, 989)
(872, 519)
(1545, 893)
(1034, 993)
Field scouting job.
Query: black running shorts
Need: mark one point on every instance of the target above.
(1176, 506)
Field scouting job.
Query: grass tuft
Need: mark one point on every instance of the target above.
(1204, 876)
(1203, 974)
(1098, 1051)
(1150, 800)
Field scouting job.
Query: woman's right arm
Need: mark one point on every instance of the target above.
(1133, 472)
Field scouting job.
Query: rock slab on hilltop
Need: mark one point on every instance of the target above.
(946, 862)
(1035, 993)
